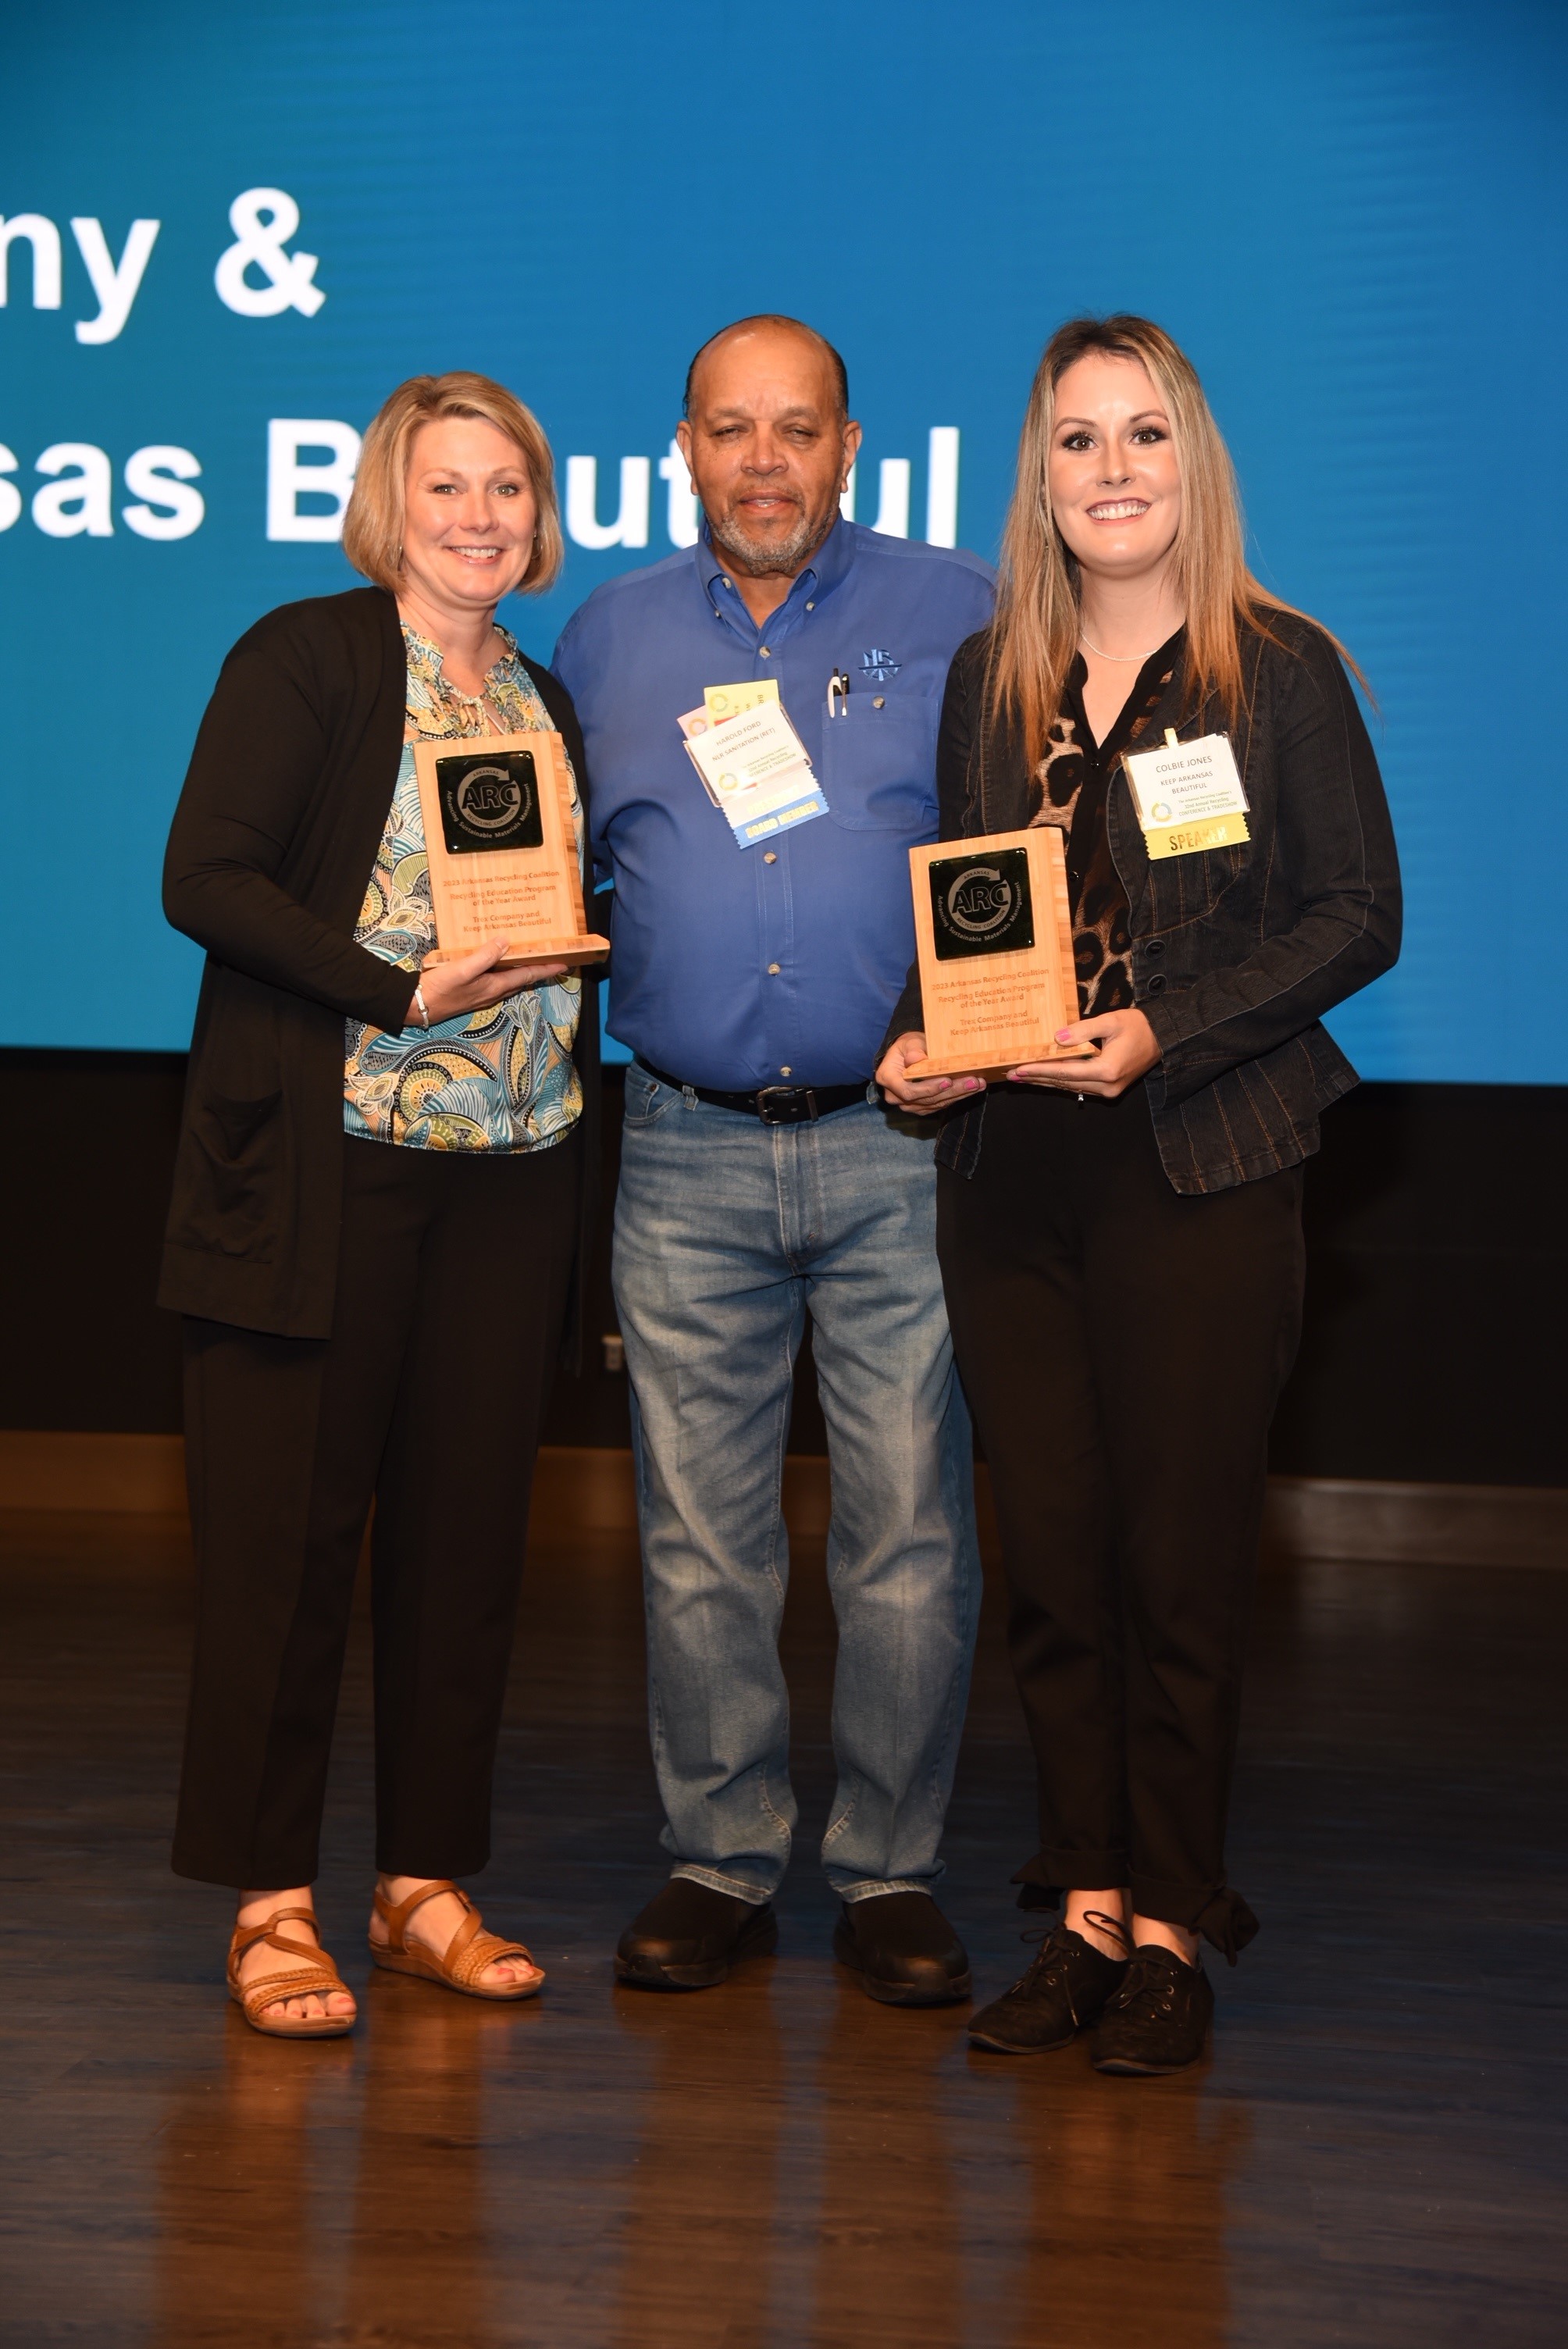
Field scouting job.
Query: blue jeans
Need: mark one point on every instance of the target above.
(726, 1230)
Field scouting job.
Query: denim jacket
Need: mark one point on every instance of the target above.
(1237, 952)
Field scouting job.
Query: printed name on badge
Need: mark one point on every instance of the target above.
(1189, 795)
(752, 763)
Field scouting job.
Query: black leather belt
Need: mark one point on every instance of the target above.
(774, 1105)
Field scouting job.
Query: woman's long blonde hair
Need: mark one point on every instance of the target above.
(1036, 636)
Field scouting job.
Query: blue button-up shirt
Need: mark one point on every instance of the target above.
(780, 964)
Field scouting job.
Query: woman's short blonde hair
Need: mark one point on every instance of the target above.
(373, 526)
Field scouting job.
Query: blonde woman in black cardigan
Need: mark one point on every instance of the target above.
(379, 1204)
(1120, 1237)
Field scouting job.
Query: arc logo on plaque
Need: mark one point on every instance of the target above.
(502, 849)
(993, 934)
(981, 904)
(489, 802)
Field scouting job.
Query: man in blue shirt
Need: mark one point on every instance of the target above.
(762, 1175)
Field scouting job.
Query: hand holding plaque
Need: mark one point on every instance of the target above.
(502, 848)
(994, 938)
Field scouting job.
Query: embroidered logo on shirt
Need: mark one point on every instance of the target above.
(880, 665)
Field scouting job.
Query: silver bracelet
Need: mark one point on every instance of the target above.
(424, 1008)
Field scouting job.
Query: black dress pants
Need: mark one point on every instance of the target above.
(1123, 1348)
(453, 1277)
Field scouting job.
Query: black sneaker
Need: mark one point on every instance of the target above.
(904, 1950)
(1158, 2020)
(1065, 1989)
(689, 1936)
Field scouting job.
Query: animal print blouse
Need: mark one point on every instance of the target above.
(498, 1080)
(1072, 785)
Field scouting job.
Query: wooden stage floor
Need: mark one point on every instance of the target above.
(1375, 2154)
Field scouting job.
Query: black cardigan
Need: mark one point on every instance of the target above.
(272, 846)
(1236, 952)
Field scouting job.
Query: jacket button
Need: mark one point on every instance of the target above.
(1156, 985)
(1153, 946)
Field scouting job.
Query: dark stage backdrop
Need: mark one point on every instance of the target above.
(228, 232)
(1437, 1292)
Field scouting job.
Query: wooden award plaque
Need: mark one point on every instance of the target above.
(994, 935)
(502, 850)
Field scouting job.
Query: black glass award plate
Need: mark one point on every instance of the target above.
(981, 904)
(488, 800)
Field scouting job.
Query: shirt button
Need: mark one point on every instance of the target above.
(786, 1071)
(764, 651)
(772, 970)
(730, 583)
(810, 607)
(768, 857)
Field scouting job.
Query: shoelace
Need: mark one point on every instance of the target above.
(1047, 1961)
(1144, 1974)
(1050, 1961)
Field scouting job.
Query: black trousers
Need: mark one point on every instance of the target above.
(1123, 1349)
(451, 1292)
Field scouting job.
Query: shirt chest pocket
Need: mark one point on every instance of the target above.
(879, 766)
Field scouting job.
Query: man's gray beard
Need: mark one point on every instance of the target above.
(778, 555)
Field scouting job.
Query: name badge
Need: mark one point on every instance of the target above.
(722, 701)
(753, 764)
(1189, 795)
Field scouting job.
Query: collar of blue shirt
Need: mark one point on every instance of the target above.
(829, 565)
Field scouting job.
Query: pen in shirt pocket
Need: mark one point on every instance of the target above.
(838, 684)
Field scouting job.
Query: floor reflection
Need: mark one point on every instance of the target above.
(699, 2240)
(888, 2256)
(790, 2181)
(249, 2175)
(813, 2172)
(779, 2164)
(1123, 2220)
(425, 2262)
(338, 2191)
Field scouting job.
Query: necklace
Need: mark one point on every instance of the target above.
(1122, 657)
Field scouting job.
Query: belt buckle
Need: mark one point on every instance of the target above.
(797, 1106)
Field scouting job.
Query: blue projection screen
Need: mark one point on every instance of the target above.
(227, 234)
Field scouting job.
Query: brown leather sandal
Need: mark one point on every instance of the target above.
(465, 1956)
(316, 1974)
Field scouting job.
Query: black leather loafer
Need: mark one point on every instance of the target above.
(1064, 1991)
(689, 1936)
(904, 1950)
(1158, 2019)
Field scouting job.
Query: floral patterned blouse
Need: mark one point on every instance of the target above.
(502, 1079)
